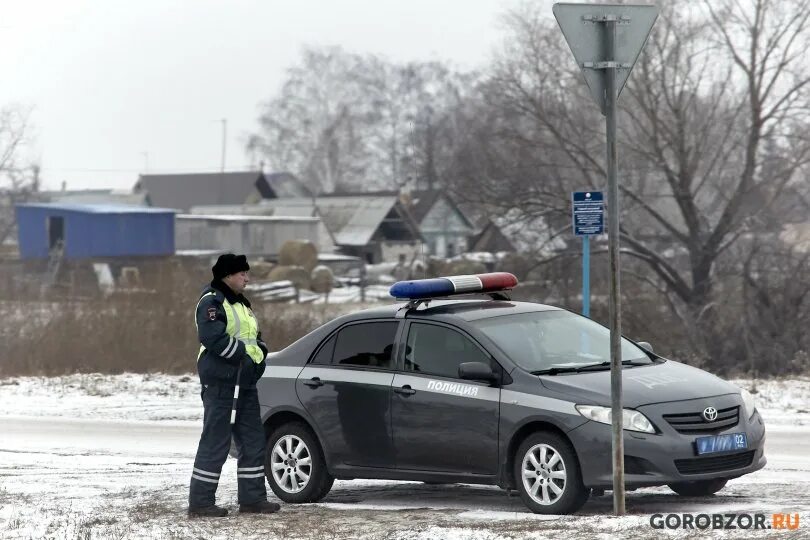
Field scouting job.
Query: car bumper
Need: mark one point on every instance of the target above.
(667, 457)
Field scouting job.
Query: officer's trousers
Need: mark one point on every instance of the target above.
(248, 436)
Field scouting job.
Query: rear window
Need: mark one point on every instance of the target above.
(366, 344)
(324, 354)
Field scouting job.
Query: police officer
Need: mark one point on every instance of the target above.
(230, 361)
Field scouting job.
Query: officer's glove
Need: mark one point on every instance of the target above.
(263, 346)
(259, 368)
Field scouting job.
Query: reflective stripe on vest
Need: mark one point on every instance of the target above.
(233, 328)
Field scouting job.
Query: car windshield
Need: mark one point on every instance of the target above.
(554, 339)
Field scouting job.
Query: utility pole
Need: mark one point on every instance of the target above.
(224, 141)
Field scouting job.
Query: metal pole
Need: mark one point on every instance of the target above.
(613, 251)
(586, 276)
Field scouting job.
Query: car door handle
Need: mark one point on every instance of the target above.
(405, 390)
(314, 382)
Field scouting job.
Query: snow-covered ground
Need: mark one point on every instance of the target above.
(100, 456)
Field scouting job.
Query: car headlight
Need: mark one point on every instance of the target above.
(749, 403)
(631, 420)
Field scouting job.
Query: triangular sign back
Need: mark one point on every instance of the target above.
(585, 35)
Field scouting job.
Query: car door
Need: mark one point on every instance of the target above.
(346, 388)
(440, 422)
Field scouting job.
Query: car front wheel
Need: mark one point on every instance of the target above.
(294, 465)
(547, 475)
(699, 488)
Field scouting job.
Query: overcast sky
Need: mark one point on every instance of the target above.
(119, 85)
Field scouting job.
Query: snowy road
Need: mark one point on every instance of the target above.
(79, 477)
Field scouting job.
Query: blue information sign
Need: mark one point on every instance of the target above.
(588, 213)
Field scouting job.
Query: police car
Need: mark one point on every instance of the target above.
(491, 391)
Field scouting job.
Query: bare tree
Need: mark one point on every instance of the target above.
(775, 308)
(709, 92)
(344, 121)
(714, 126)
(19, 179)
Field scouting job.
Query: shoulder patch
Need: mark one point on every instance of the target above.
(212, 313)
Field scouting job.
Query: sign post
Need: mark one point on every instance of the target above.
(606, 40)
(588, 212)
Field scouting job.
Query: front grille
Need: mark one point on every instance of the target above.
(713, 464)
(692, 423)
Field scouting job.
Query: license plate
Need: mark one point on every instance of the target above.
(721, 443)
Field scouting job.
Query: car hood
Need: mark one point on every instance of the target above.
(643, 385)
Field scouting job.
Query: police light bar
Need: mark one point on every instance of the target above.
(446, 286)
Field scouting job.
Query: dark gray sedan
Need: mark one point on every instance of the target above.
(496, 392)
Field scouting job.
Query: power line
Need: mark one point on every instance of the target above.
(152, 171)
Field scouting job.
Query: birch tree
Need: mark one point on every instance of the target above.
(19, 178)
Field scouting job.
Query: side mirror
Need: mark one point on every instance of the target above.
(475, 371)
(645, 345)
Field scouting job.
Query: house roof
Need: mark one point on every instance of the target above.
(355, 219)
(418, 203)
(287, 185)
(422, 201)
(95, 196)
(351, 219)
(289, 207)
(491, 238)
(231, 218)
(186, 190)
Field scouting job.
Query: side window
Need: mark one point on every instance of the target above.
(438, 350)
(366, 344)
(324, 354)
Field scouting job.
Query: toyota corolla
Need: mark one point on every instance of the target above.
(493, 391)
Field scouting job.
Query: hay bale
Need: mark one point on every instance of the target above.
(301, 253)
(436, 267)
(261, 269)
(321, 279)
(299, 276)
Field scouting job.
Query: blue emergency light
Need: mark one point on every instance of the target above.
(446, 286)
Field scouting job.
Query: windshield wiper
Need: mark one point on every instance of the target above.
(554, 370)
(569, 369)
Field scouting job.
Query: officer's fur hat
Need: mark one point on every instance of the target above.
(228, 264)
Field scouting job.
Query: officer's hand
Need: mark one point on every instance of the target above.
(263, 346)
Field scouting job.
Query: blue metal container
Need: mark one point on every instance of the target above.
(92, 230)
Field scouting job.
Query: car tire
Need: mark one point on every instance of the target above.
(557, 486)
(699, 488)
(294, 465)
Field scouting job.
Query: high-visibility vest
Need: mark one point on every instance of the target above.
(242, 325)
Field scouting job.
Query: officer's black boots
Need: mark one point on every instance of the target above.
(207, 511)
(263, 507)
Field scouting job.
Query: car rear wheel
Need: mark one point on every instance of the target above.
(547, 475)
(699, 488)
(294, 465)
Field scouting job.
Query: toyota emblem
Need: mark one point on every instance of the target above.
(710, 414)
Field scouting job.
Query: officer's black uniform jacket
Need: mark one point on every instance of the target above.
(212, 366)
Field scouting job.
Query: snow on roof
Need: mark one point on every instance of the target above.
(100, 208)
(243, 217)
(337, 257)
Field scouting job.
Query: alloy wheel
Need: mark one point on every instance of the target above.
(291, 464)
(544, 474)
